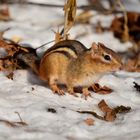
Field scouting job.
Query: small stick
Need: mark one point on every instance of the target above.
(92, 113)
(83, 7)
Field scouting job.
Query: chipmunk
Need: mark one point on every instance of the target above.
(70, 63)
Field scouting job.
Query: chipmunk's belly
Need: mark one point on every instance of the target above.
(53, 68)
(88, 80)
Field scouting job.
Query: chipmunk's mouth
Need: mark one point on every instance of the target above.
(118, 69)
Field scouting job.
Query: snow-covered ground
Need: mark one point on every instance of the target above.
(28, 96)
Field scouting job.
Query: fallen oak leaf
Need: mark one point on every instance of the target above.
(13, 51)
(101, 90)
(118, 23)
(110, 114)
(122, 109)
(8, 64)
(104, 107)
(12, 47)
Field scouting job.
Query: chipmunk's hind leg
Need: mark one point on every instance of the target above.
(53, 85)
(85, 93)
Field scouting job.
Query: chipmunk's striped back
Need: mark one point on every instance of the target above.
(69, 48)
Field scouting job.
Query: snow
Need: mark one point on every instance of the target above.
(31, 98)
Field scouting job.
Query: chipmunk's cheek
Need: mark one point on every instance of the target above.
(119, 67)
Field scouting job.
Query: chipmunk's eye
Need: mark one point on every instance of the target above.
(107, 57)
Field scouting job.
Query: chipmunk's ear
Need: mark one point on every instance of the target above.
(94, 48)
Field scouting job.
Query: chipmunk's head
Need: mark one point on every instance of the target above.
(106, 59)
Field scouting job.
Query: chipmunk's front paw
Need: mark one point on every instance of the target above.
(85, 93)
(71, 92)
(57, 90)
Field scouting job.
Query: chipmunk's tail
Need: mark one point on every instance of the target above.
(31, 60)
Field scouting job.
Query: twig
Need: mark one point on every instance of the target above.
(83, 7)
(92, 113)
(11, 124)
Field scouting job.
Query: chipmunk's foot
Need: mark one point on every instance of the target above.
(71, 92)
(57, 90)
(86, 93)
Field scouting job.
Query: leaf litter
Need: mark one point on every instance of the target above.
(110, 114)
(13, 49)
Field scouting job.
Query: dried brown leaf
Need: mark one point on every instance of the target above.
(118, 27)
(11, 61)
(70, 14)
(122, 109)
(101, 90)
(8, 65)
(9, 48)
(89, 121)
(110, 115)
(104, 107)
